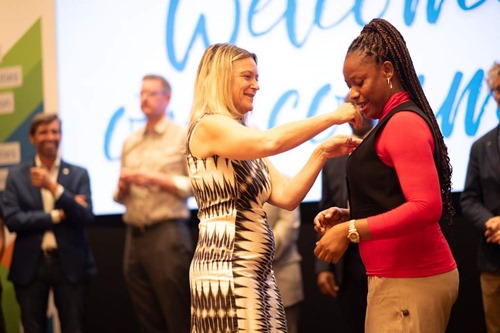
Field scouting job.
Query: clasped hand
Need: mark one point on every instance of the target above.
(136, 177)
(330, 223)
(492, 232)
(330, 217)
(40, 178)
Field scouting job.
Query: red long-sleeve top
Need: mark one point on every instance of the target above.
(407, 241)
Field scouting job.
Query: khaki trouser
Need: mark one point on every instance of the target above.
(416, 305)
(490, 288)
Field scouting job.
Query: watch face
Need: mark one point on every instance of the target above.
(353, 237)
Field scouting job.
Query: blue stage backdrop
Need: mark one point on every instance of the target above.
(105, 47)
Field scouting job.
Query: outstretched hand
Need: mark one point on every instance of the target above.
(339, 145)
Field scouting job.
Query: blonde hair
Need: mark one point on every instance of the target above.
(212, 89)
(493, 72)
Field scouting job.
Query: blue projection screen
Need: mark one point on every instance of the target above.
(105, 47)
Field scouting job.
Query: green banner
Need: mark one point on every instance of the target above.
(21, 97)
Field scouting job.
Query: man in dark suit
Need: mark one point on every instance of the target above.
(347, 279)
(47, 203)
(480, 201)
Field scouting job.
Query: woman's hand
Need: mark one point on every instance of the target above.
(333, 244)
(348, 113)
(330, 217)
(338, 145)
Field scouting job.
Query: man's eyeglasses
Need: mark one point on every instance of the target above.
(151, 94)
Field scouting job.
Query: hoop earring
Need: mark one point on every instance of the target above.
(389, 83)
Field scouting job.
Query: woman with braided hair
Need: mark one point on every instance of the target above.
(399, 188)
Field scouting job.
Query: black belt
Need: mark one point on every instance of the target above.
(50, 253)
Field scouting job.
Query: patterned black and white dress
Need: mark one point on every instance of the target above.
(233, 288)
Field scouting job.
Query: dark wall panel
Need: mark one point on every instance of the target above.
(109, 309)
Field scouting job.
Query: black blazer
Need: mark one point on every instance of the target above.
(480, 199)
(24, 215)
(334, 193)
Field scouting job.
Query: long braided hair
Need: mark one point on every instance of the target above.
(380, 40)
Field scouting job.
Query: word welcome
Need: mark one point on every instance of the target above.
(446, 114)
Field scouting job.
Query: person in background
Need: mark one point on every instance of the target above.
(286, 264)
(346, 279)
(480, 203)
(399, 187)
(233, 288)
(47, 203)
(154, 187)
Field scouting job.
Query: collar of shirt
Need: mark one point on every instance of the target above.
(395, 100)
(160, 127)
(49, 240)
(53, 170)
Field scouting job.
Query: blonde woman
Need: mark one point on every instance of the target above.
(232, 283)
